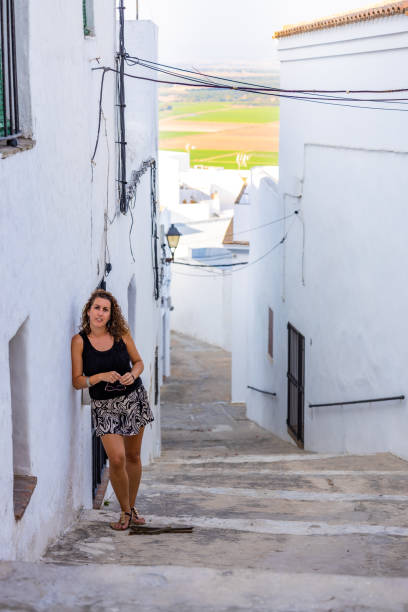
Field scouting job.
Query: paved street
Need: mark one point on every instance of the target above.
(275, 528)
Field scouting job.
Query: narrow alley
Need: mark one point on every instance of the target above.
(275, 528)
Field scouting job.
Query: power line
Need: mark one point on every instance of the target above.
(278, 89)
(215, 257)
(243, 265)
(310, 98)
(252, 229)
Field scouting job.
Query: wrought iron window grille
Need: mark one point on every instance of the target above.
(9, 112)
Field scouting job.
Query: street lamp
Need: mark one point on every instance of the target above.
(173, 237)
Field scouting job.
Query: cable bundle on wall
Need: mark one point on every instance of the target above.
(130, 205)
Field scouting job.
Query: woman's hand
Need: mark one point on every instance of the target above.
(110, 377)
(127, 379)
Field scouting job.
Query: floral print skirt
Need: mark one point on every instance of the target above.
(124, 415)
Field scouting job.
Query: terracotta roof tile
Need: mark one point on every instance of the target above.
(375, 11)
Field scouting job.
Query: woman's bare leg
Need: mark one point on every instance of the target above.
(133, 445)
(115, 449)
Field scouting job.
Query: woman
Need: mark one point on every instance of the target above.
(105, 359)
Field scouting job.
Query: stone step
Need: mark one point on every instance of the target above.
(298, 461)
(194, 589)
(277, 505)
(229, 543)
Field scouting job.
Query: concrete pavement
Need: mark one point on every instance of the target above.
(275, 528)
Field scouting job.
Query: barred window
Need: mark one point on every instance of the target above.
(88, 17)
(9, 113)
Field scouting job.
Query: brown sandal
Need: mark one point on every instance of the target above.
(123, 525)
(136, 519)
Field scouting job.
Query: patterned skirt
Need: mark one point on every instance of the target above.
(124, 415)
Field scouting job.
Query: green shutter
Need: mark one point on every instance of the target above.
(87, 31)
(2, 130)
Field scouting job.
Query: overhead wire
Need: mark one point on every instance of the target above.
(279, 89)
(243, 265)
(330, 101)
(315, 96)
(279, 92)
(252, 229)
(203, 80)
(220, 256)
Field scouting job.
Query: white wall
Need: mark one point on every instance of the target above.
(202, 304)
(239, 334)
(52, 242)
(227, 183)
(264, 292)
(343, 279)
(169, 188)
(182, 158)
(242, 222)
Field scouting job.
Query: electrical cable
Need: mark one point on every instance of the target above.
(136, 176)
(252, 229)
(127, 195)
(275, 91)
(243, 265)
(329, 91)
(314, 99)
(281, 241)
(123, 200)
(110, 221)
(99, 114)
(215, 257)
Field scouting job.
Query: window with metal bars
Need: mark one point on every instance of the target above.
(88, 17)
(9, 113)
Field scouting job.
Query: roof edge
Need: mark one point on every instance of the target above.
(366, 14)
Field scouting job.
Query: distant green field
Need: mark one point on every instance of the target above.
(164, 135)
(256, 114)
(215, 111)
(227, 159)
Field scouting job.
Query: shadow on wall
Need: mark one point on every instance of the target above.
(131, 295)
(19, 400)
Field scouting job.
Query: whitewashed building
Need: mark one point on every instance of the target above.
(339, 279)
(61, 234)
(202, 202)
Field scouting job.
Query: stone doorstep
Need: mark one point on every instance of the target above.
(23, 488)
(101, 489)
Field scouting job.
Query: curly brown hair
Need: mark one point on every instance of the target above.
(116, 325)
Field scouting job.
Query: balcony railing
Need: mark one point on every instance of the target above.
(9, 115)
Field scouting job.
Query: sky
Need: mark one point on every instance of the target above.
(219, 31)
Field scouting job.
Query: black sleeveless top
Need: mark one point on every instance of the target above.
(116, 358)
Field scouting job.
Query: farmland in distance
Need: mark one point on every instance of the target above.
(218, 128)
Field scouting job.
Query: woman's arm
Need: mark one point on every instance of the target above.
(78, 378)
(137, 362)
